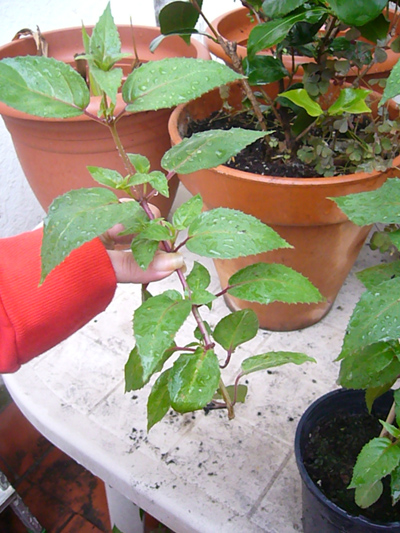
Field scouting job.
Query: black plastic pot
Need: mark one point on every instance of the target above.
(320, 515)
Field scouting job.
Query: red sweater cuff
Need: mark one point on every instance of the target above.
(33, 319)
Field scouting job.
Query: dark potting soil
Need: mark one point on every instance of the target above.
(329, 458)
(254, 158)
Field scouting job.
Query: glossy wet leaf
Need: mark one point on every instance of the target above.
(396, 395)
(159, 400)
(261, 70)
(106, 176)
(391, 429)
(208, 149)
(268, 34)
(392, 87)
(177, 17)
(107, 81)
(372, 366)
(366, 495)
(193, 381)
(144, 250)
(269, 282)
(273, 359)
(395, 485)
(377, 459)
(135, 377)
(199, 277)
(301, 98)
(371, 277)
(140, 162)
(155, 325)
(187, 212)
(236, 328)
(78, 217)
(357, 12)
(226, 233)
(105, 42)
(42, 86)
(156, 180)
(379, 206)
(376, 318)
(350, 101)
(172, 81)
(274, 9)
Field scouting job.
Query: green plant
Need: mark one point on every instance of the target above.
(46, 87)
(370, 355)
(313, 46)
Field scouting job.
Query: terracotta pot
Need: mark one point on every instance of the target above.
(236, 25)
(325, 242)
(54, 153)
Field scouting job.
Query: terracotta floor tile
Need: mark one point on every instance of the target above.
(78, 524)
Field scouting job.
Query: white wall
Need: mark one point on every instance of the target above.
(19, 209)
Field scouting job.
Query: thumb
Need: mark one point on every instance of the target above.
(128, 271)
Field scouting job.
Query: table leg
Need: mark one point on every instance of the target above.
(123, 513)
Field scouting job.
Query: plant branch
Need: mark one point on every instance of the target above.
(227, 399)
(390, 419)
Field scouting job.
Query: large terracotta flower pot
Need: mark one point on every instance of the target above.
(326, 244)
(236, 26)
(54, 153)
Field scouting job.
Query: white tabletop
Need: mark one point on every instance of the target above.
(194, 472)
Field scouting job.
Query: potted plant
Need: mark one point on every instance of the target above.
(350, 473)
(188, 377)
(54, 152)
(315, 145)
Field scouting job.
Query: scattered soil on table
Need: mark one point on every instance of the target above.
(329, 458)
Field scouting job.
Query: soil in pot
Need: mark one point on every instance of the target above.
(329, 457)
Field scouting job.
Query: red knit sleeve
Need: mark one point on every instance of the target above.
(33, 319)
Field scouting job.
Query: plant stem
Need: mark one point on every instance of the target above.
(227, 399)
(390, 419)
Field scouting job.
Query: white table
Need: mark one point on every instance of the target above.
(193, 472)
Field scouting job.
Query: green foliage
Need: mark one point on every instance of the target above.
(187, 377)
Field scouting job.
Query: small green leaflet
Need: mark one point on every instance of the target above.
(172, 81)
(273, 359)
(270, 282)
(236, 328)
(208, 149)
(78, 217)
(301, 98)
(187, 212)
(226, 233)
(42, 86)
(159, 400)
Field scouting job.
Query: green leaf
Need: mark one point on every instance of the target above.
(376, 30)
(357, 12)
(208, 149)
(350, 101)
(392, 87)
(155, 325)
(134, 372)
(261, 70)
(105, 43)
(193, 381)
(187, 212)
(266, 283)
(376, 460)
(42, 86)
(268, 34)
(78, 217)
(156, 179)
(394, 237)
(106, 176)
(375, 318)
(144, 250)
(154, 231)
(107, 81)
(241, 393)
(172, 81)
(236, 329)
(374, 366)
(274, 9)
(159, 400)
(140, 162)
(177, 17)
(371, 277)
(380, 206)
(372, 393)
(273, 359)
(392, 430)
(226, 233)
(366, 495)
(301, 98)
(199, 277)
(395, 485)
(397, 404)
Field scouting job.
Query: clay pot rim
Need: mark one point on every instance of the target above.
(201, 53)
(173, 128)
(376, 69)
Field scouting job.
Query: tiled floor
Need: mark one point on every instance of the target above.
(62, 495)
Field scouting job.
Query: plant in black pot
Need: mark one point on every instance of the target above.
(325, 134)
(348, 442)
(185, 377)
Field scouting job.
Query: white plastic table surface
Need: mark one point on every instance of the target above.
(194, 472)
